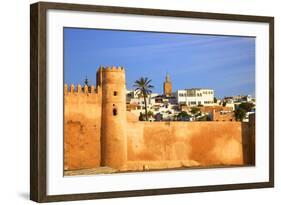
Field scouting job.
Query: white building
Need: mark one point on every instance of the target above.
(195, 96)
(134, 97)
(131, 94)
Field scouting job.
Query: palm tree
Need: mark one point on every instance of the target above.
(144, 88)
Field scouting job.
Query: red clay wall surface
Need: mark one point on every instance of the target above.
(153, 145)
(82, 116)
(193, 143)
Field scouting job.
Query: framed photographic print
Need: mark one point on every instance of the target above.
(133, 102)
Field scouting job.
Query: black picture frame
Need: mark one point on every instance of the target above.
(38, 102)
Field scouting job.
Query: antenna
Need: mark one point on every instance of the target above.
(86, 81)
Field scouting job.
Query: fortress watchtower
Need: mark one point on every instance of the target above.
(113, 117)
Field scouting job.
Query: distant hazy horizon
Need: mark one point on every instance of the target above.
(223, 63)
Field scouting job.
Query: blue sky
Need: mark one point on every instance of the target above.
(223, 63)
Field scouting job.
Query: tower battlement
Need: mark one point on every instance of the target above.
(78, 89)
(112, 69)
(110, 73)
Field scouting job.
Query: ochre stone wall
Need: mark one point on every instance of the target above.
(153, 145)
(222, 116)
(214, 107)
(191, 143)
(82, 114)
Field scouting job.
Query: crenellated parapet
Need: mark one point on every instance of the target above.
(113, 73)
(112, 69)
(78, 89)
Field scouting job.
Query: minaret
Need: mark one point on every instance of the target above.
(167, 86)
(113, 122)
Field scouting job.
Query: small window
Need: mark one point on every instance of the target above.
(115, 93)
(114, 111)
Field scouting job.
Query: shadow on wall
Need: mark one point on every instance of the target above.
(249, 141)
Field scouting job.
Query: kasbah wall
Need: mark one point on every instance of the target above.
(98, 131)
